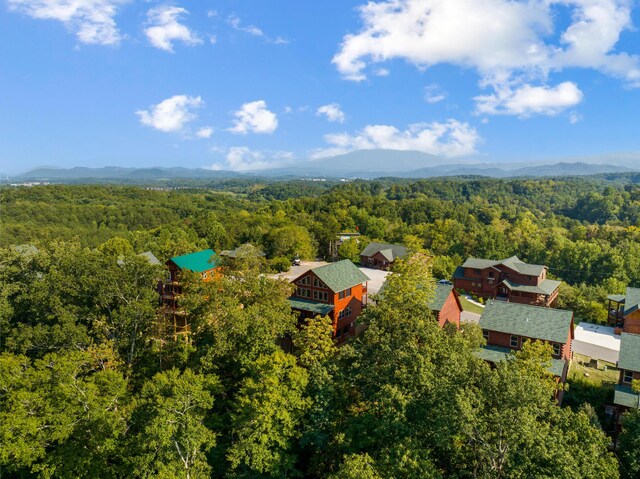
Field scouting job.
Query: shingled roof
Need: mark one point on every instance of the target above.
(629, 352)
(197, 262)
(341, 275)
(389, 251)
(548, 286)
(631, 300)
(534, 322)
(442, 293)
(495, 354)
(513, 263)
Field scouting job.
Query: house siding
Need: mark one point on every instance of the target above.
(450, 311)
(485, 282)
(632, 323)
(354, 301)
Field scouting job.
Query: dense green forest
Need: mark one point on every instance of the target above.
(91, 387)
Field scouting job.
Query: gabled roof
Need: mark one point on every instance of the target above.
(243, 250)
(389, 251)
(442, 293)
(631, 300)
(197, 262)
(534, 322)
(312, 306)
(629, 352)
(150, 257)
(524, 268)
(340, 276)
(513, 263)
(547, 287)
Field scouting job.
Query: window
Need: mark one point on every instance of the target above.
(476, 271)
(627, 377)
(345, 313)
(204, 275)
(318, 284)
(303, 292)
(490, 274)
(557, 349)
(344, 294)
(345, 330)
(320, 295)
(485, 334)
(514, 341)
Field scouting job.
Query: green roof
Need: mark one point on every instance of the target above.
(442, 293)
(631, 300)
(495, 354)
(624, 396)
(534, 322)
(312, 306)
(618, 298)
(389, 251)
(341, 275)
(196, 262)
(629, 352)
(547, 287)
(513, 262)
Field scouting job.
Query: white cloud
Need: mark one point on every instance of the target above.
(242, 158)
(92, 21)
(451, 138)
(165, 28)
(204, 132)
(254, 117)
(574, 118)
(235, 23)
(382, 72)
(511, 44)
(528, 100)
(332, 112)
(172, 114)
(434, 94)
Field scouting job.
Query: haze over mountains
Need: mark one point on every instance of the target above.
(366, 164)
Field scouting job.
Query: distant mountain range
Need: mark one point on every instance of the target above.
(366, 164)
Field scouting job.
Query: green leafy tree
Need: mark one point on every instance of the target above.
(171, 438)
(267, 418)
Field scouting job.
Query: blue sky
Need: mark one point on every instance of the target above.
(253, 84)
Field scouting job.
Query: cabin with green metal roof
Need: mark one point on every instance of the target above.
(204, 263)
(509, 279)
(337, 290)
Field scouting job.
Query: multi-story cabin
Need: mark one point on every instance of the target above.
(507, 280)
(624, 310)
(381, 255)
(203, 263)
(505, 327)
(629, 365)
(446, 305)
(337, 290)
